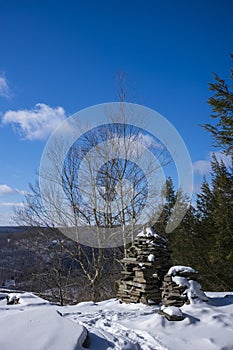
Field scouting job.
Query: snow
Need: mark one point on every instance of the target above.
(148, 232)
(195, 293)
(151, 232)
(193, 289)
(13, 296)
(137, 326)
(142, 265)
(37, 324)
(151, 257)
(153, 238)
(172, 310)
(180, 269)
(181, 281)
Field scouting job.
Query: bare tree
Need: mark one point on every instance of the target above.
(105, 187)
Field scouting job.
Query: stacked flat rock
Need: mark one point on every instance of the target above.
(144, 268)
(180, 287)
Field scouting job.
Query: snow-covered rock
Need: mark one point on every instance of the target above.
(181, 281)
(195, 293)
(193, 290)
(181, 270)
(172, 313)
(13, 298)
(149, 232)
(180, 286)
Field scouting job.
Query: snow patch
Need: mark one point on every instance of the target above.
(38, 325)
(148, 232)
(151, 257)
(179, 269)
(193, 289)
(181, 281)
(172, 310)
(35, 324)
(195, 293)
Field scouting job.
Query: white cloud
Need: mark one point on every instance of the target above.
(37, 123)
(203, 167)
(4, 87)
(12, 204)
(226, 159)
(148, 141)
(5, 190)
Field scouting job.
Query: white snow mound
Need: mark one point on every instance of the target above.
(36, 324)
(174, 270)
(150, 232)
(172, 310)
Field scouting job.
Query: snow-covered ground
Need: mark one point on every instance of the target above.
(35, 324)
(38, 325)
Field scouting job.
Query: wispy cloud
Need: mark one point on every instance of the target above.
(4, 87)
(5, 190)
(36, 123)
(148, 141)
(203, 167)
(12, 204)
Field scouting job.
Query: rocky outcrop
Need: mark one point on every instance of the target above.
(172, 313)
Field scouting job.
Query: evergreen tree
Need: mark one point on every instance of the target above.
(222, 106)
(204, 238)
(166, 210)
(214, 228)
(180, 239)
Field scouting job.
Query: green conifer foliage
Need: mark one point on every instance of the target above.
(214, 227)
(222, 111)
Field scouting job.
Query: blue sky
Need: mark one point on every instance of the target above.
(58, 57)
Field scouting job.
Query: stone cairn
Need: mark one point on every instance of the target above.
(146, 263)
(180, 286)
